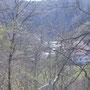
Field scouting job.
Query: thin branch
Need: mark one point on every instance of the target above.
(81, 8)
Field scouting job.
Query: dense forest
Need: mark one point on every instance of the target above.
(44, 44)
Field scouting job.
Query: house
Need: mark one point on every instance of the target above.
(80, 54)
(51, 47)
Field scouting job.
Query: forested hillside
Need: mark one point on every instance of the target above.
(44, 44)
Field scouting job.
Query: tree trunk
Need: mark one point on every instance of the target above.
(9, 72)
